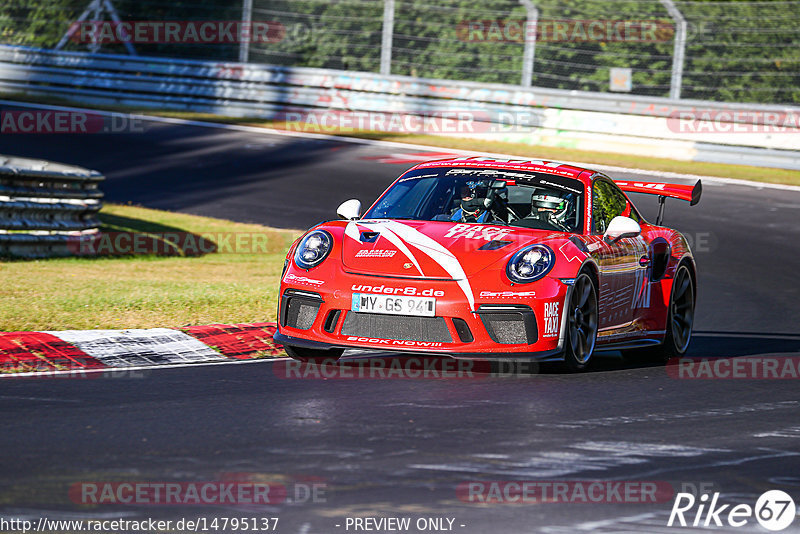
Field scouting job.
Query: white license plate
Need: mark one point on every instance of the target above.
(393, 304)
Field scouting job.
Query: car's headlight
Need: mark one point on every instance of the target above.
(313, 249)
(530, 264)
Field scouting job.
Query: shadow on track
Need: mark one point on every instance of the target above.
(705, 344)
(731, 345)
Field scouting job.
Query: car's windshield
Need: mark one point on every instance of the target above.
(487, 196)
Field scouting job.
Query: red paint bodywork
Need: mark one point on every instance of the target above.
(632, 305)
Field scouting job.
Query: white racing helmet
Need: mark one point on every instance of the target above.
(550, 201)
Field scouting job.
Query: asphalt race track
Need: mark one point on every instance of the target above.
(400, 448)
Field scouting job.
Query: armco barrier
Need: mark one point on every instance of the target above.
(581, 120)
(45, 204)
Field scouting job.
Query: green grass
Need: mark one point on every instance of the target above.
(740, 172)
(148, 291)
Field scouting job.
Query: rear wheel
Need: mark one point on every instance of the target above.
(680, 319)
(304, 354)
(581, 334)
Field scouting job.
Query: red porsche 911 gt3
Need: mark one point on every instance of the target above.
(485, 258)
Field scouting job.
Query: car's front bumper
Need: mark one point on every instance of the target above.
(524, 322)
(539, 356)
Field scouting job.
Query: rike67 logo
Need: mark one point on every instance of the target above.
(774, 510)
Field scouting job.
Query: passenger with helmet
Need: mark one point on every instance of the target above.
(548, 206)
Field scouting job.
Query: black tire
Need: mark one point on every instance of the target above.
(680, 319)
(313, 355)
(581, 328)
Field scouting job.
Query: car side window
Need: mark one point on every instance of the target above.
(635, 214)
(607, 203)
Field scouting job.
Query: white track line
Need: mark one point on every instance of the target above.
(395, 144)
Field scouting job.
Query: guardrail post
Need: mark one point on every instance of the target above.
(245, 32)
(530, 42)
(386, 42)
(679, 51)
(112, 12)
(96, 8)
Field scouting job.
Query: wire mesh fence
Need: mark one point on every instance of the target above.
(737, 51)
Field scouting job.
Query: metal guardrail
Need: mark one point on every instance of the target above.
(200, 73)
(46, 208)
(583, 120)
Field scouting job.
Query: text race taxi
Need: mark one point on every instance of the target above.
(481, 258)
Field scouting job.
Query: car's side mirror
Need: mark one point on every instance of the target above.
(349, 209)
(621, 227)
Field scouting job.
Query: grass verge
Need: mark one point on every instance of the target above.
(232, 285)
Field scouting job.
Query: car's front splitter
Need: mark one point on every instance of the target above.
(552, 355)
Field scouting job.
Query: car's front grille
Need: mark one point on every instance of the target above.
(509, 325)
(302, 314)
(399, 327)
(299, 309)
(331, 321)
(463, 331)
(505, 328)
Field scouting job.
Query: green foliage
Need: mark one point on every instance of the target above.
(737, 50)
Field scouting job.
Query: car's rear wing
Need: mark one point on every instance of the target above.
(689, 193)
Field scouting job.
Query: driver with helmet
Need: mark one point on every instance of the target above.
(474, 204)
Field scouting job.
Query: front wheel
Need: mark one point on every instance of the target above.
(304, 354)
(680, 319)
(581, 324)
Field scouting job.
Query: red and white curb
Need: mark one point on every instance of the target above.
(70, 351)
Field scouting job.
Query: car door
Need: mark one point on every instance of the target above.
(620, 270)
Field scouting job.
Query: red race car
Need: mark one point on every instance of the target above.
(485, 258)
